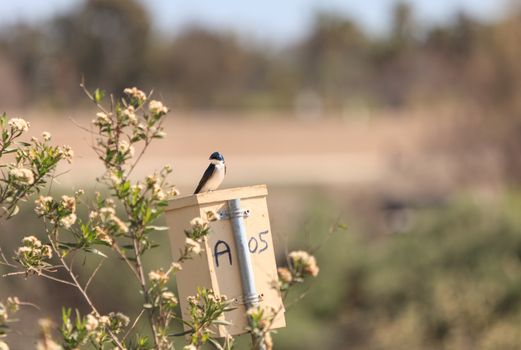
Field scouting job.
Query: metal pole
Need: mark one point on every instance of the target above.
(251, 297)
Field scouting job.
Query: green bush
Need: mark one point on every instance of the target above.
(452, 282)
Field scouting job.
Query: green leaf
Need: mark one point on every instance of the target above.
(15, 211)
(67, 246)
(66, 314)
(94, 251)
(216, 344)
(157, 228)
(341, 226)
(9, 150)
(98, 95)
(222, 322)
(99, 241)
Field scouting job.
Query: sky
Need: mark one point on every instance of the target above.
(274, 20)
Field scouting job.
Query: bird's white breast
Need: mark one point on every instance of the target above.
(217, 177)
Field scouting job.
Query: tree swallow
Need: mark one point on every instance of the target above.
(214, 174)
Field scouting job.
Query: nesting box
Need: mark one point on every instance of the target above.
(219, 266)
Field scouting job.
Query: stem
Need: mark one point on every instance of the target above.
(92, 275)
(5, 261)
(116, 247)
(76, 283)
(142, 282)
(134, 324)
(147, 143)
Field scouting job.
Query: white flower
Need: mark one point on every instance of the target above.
(102, 235)
(190, 347)
(42, 205)
(22, 175)
(306, 262)
(113, 177)
(104, 320)
(176, 267)
(212, 215)
(137, 188)
(169, 296)
(92, 323)
(198, 223)
(136, 94)
(102, 119)
(193, 246)
(68, 221)
(107, 213)
(157, 107)
(192, 300)
(24, 250)
(158, 276)
(122, 319)
(157, 192)
(46, 136)
(172, 192)
(32, 241)
(151, 180)
(13, 302)
(284, 274)
(130, 114)
(121, 225)
(46, 251)
(125, 147)
(67, 153)
(69, 203)
(3, 346)
(18, 125)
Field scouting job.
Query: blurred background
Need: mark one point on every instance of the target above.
(400, 119)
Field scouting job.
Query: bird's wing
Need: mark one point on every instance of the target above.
(209, 171)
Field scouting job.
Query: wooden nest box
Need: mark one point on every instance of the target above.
(238, 260)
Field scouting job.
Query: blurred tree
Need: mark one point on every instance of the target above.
(208, 69)
(452, 281)
(334, 59)
(402, 32)
(107, 40)
(22, 46)
(336, 65)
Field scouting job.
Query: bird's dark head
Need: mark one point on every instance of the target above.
(217, 156)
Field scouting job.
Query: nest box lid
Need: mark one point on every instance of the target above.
(218, 196)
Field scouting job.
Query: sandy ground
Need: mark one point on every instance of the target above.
(262, 149)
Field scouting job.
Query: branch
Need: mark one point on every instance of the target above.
(5, 261)
(92, 275)
(122, 255)
(133, 324)
(142, 281)
(147, 143)
(115, 339)
(39, 273)
(89, 95)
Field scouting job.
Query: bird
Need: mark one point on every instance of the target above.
(214, 174)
